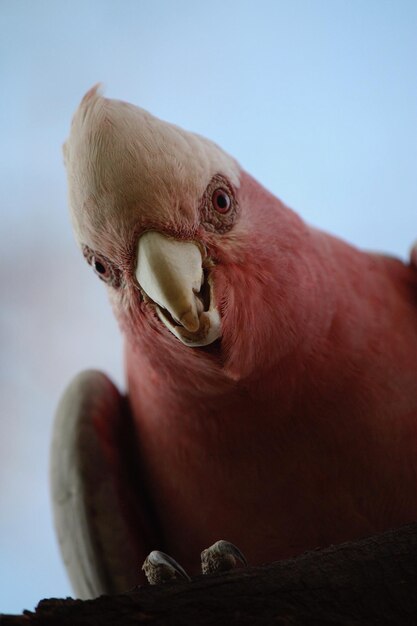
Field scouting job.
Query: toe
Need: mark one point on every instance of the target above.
(221, 557)
(160, 568)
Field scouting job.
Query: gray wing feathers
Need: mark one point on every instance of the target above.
(94, 537)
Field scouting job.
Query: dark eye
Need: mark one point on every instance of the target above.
(103, 267)
(100, 268)
(221, 201)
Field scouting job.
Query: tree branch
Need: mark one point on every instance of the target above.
(372, 581)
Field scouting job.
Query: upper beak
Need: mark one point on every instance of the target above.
(171, 274)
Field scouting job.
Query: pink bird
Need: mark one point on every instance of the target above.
(271, 368)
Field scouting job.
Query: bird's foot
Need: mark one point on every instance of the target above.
(221, 557)
(161, 568)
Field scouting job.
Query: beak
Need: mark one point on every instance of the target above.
(171, 274)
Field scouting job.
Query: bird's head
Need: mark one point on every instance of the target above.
(198, 257)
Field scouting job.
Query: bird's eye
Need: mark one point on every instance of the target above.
(221, 201)
(101, 268)
(219, 206)
(105, 269)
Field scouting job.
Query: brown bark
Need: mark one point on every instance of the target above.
(372, 581)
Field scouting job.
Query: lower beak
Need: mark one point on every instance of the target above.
(170, 272)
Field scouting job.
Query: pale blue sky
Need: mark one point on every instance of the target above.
(317, 99)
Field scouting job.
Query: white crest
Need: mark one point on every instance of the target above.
(123, 162)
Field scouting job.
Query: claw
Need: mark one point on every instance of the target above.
(161, 568)
(221, 557)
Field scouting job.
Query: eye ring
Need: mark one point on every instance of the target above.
(107, 271)
(100, 268)
(219, 206)
(221, 201)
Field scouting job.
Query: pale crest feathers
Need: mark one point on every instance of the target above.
(123, 162)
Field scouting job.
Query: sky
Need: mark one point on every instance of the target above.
(315, 98)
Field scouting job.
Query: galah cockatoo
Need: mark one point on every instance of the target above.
(271, 368)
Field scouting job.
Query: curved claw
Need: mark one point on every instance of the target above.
(160, 568)
(221, 557)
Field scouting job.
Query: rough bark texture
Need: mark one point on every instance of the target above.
(372, 581)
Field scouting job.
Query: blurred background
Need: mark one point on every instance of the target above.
(317, 99)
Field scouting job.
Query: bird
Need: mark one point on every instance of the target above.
(271, 368)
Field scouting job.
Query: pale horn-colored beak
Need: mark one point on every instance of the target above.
(170, 272)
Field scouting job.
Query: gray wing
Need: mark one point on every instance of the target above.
(102, 516)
